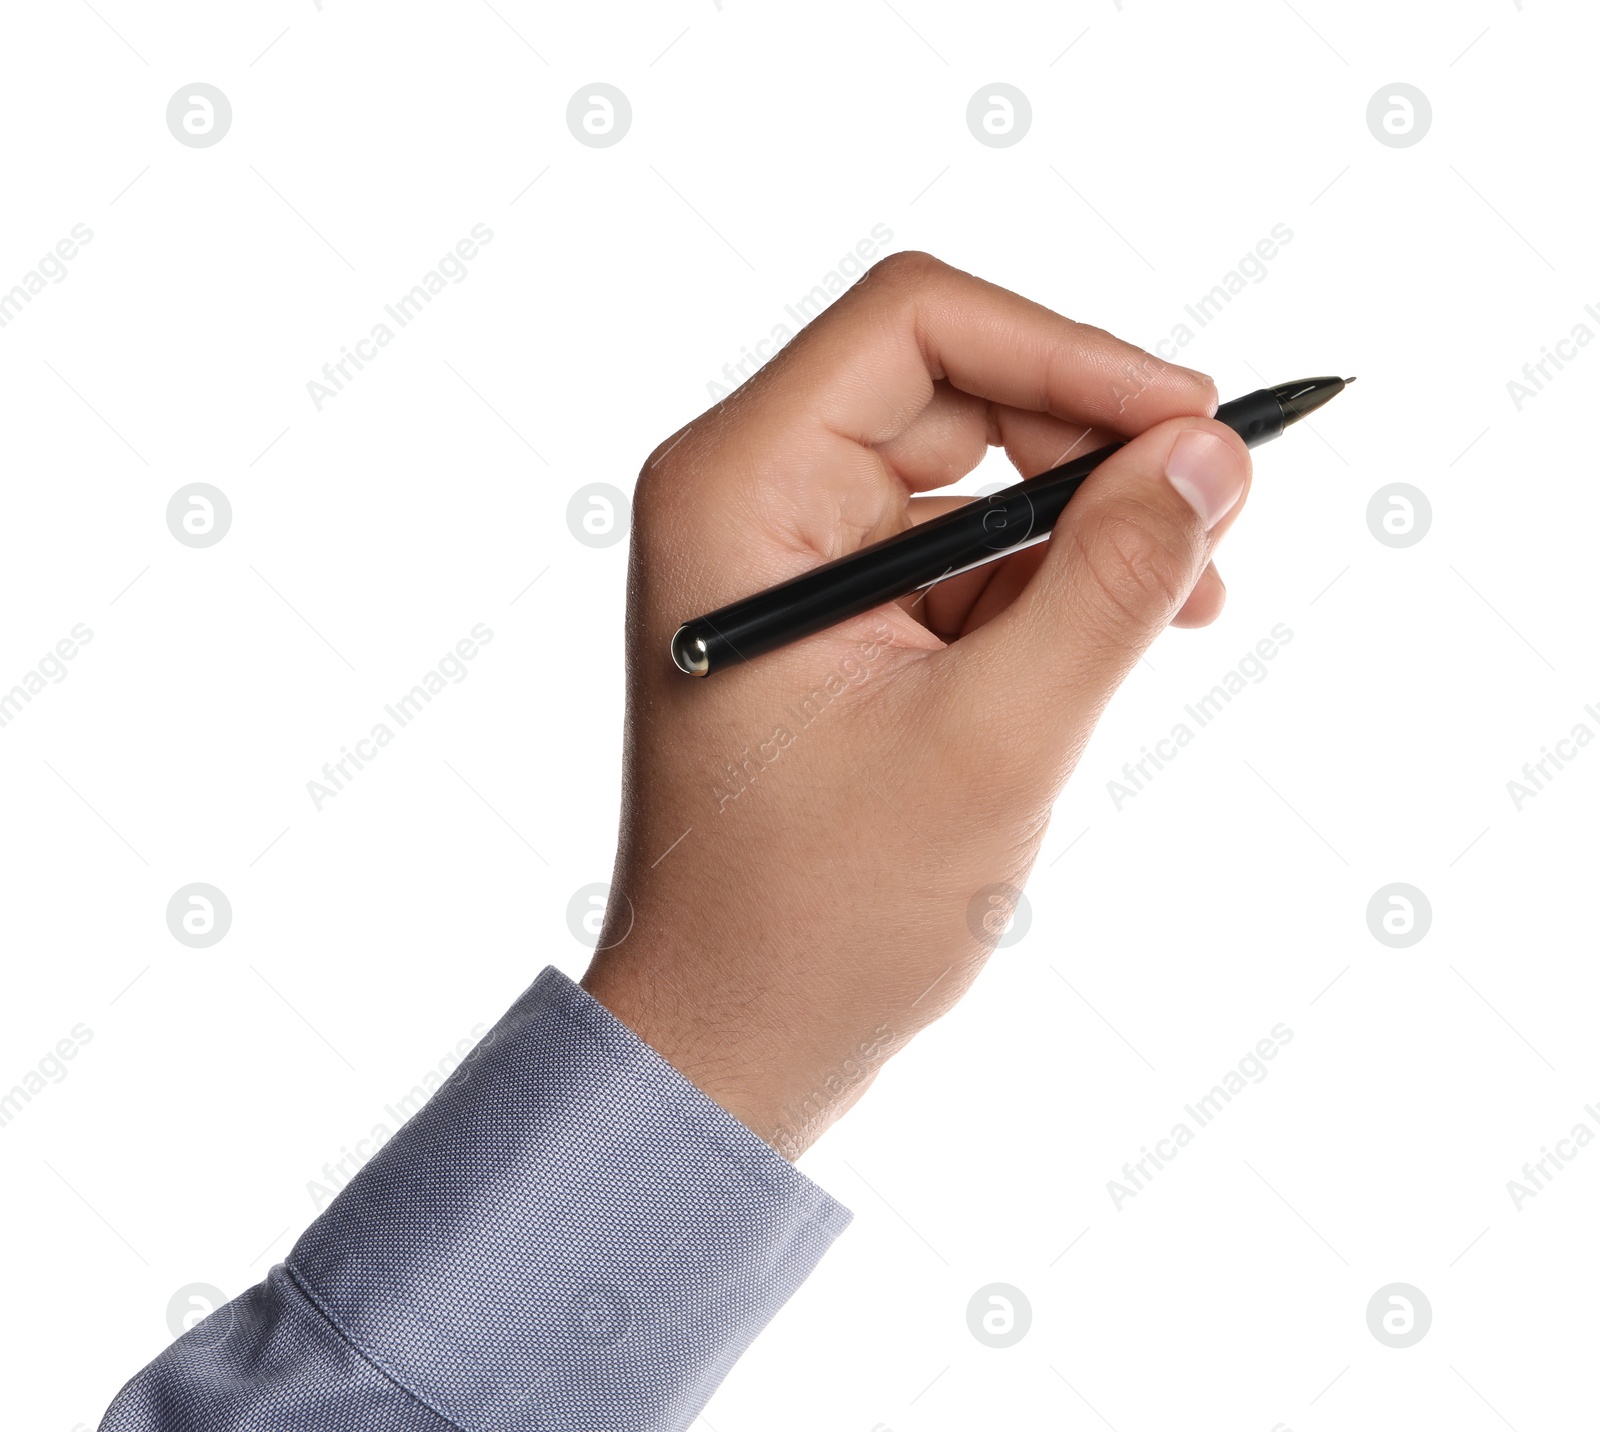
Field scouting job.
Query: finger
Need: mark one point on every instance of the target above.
(949, 438)
(1122, 562)
(868, 368)
(962, 604)
(1205, 602)
(913, 320)
(1035, 443)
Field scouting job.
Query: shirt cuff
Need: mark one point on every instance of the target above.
(568, 1235)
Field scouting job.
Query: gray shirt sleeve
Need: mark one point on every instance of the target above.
(568, 1235)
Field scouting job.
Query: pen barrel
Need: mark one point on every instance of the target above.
(1256, 417)
(981, 532)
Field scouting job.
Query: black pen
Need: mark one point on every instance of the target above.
(982, 531)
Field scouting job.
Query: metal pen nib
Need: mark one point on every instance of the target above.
(1307, 395)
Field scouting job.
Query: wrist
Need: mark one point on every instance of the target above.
(753, 1067)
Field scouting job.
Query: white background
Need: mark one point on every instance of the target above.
(368, 537)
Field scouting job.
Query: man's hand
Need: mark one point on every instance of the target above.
(849, 799)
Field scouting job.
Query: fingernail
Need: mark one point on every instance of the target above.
(1207, 473)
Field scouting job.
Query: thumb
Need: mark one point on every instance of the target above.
(1123, 558)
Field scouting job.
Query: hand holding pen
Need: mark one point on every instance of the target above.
(816, 844)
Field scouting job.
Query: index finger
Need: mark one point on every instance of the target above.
(867, 366)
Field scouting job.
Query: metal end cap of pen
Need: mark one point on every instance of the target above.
(689, 653)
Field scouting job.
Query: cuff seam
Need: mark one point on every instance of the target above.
(363, 1353)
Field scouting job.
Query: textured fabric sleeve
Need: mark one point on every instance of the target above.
(569, 1235)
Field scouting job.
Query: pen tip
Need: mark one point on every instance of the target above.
(1348, 381)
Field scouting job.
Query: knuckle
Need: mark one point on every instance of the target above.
(654, 488)
(910, 267)
(665, 458)
(1136, 566)
(647, 489)
(645, 492)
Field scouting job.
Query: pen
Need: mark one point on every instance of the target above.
(980, 532)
